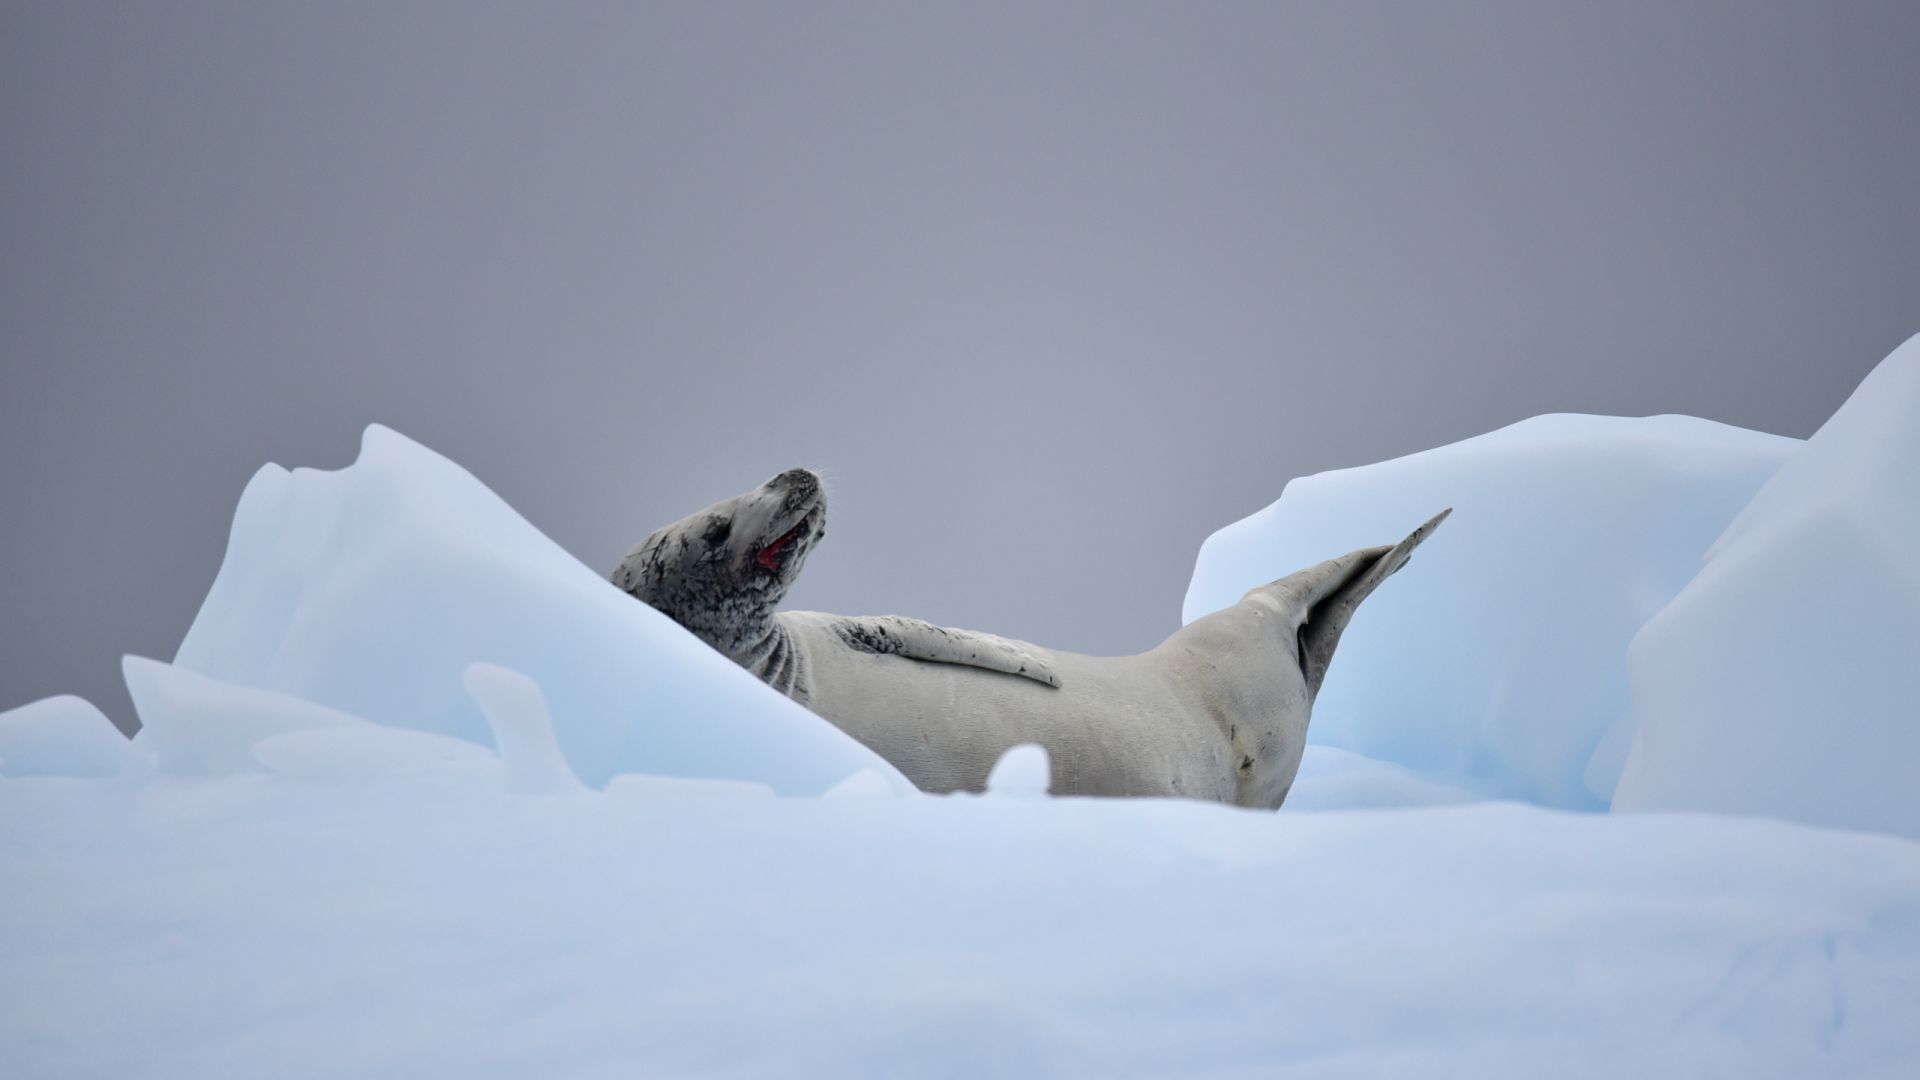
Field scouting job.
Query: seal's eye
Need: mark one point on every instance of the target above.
(717, 531)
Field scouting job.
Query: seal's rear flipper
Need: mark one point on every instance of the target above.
(1339, 594)
(895, 635)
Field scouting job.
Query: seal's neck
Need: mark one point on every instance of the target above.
(734, 623)
(776, 657)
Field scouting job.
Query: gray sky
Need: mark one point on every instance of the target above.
(1049, 291)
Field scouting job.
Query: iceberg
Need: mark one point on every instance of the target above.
(422, 795)
(1496, 662)
(371, 590)
(1785, 678)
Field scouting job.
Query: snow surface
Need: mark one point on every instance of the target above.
(1785, 678)
(258, 925)
(423, 796)
(371, 589)
(1496, 661)
(1335, 779)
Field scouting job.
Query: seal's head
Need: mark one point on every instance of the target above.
(721, 572)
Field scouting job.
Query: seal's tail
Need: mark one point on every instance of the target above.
(1335, 590)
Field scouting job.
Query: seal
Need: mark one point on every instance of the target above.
(1217, 711)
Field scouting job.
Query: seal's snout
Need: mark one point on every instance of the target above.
(798, 490)
(798, 482)
(800, 514)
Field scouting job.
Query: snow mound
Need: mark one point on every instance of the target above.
(1496, 662)
(522, 729)
(371, 590)
(62, 736)
(865, 784)
(1785, 678)
(196, 727)
(1022, 771)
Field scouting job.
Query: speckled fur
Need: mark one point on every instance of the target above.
(703, 572)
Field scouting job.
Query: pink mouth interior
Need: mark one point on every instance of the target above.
(769, 556)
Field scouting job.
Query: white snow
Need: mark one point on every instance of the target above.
(371, 589)
(1335, 779)
(1023, 770)
(62, 736)
(423, 796)
(257, 925)
(865, 784)
(195, 726)
(1785, 678)
(1496, 661)
(522, 731)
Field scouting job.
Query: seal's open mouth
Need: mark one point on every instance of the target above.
(771, 556)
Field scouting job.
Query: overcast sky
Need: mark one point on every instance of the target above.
(1049, 291)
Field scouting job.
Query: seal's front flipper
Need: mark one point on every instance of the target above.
(896, 635)
(1339, 594)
